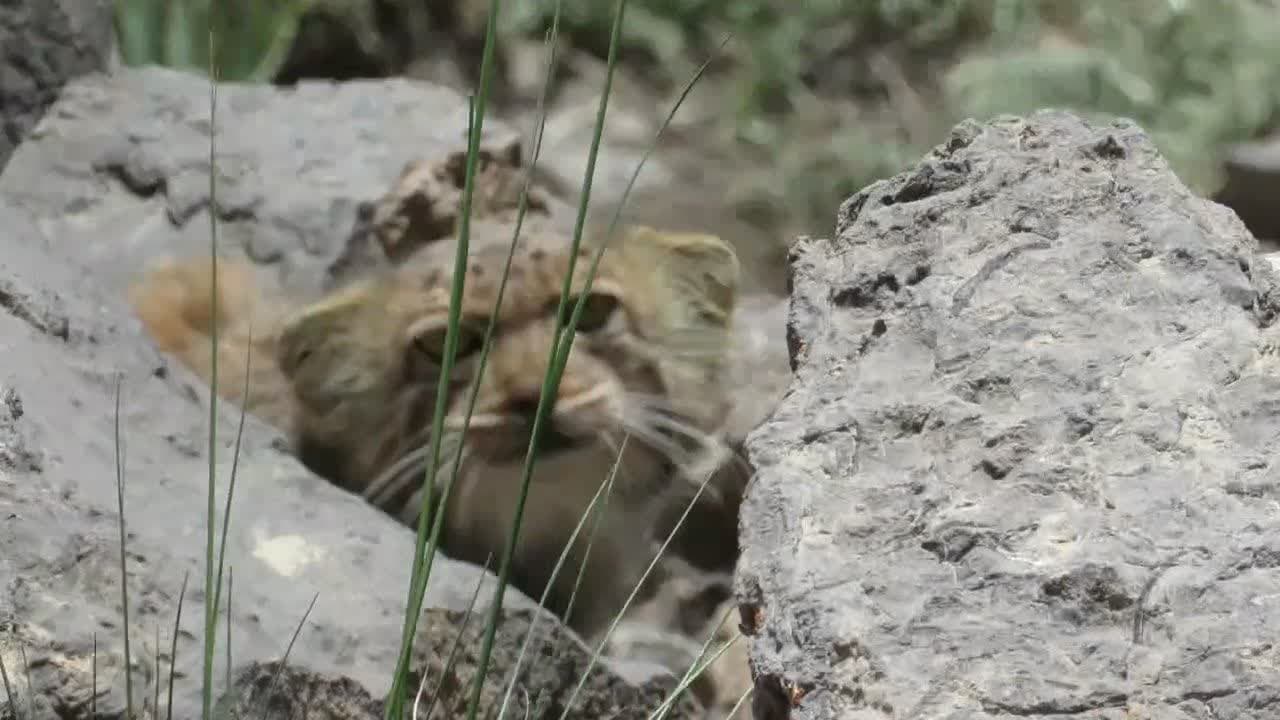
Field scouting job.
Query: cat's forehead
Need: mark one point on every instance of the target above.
(538, 268)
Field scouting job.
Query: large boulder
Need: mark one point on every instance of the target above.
(118, 173)
(43, 44)
(1027, 463)
(115, 177)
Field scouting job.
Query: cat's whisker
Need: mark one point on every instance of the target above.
(657, 440)
(408, 469)
(615, 447)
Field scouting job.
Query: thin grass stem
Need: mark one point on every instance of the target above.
(691, 675)
(284, 661)
(8, 689)
(155, 682)
(733, 711)
(231, 491)
(211, 609)
(567, 340)
(596, 518)
(595, 655)
(605, 488)
(420, 573)
(93, 673)
(551, 381)
(173, 646)
(453, 650)
(483, 359)
(31, 689)
(230, 579)
(124, 576)
(561, 350)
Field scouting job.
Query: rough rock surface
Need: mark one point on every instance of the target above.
(113, 178)
(548, 677)
(119, 169)
(43, 44)
(1027, 466)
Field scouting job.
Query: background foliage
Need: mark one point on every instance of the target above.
(255, 34)
(895, 74)
(829, 95)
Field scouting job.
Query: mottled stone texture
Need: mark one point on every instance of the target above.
(43, 44)
(1027, 466)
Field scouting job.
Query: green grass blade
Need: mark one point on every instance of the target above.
(124, 576)
(483, 359)
(281, 41)
(595, 655)
(694, 672)
(284, 661)
(180, 48)
(418, 581)
(8, 689)
(231, 491)
(567, 341)
(561, 351)
(696, 668)
(155, 700)
(550, 383)
(31, 689)
(211, 510)
(93, 688)
(733, 711)
(137, 30)
(689, 675)
(453, 650)
(592, 510)
(230, 578)
(423, 550)
(596, 518)
(584, 198)
(173, 647)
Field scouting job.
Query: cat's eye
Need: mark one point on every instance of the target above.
(430, 343)
(597, 311)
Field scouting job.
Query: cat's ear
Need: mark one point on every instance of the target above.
(699, 271)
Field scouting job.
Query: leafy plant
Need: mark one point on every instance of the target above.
(808, 97)
(1195, 74)
(176, 33)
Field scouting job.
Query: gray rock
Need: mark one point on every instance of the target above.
(111, 181)
(442, 682)
(1026, 466)
(46, 43)
(120, 169)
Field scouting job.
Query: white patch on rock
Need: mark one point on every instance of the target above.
(286, 554)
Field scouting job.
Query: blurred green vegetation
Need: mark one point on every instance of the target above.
(891, 76)
(833, 94)
(252, 37)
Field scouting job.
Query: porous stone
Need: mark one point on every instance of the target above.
(43, 44)
(1027, 462)
(119, 173)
